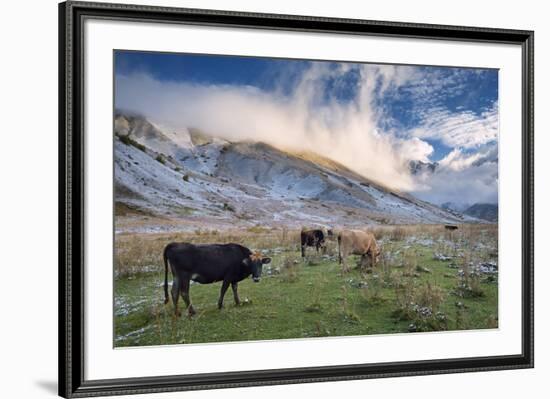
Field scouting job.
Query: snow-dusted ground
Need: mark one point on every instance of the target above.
(195, 180)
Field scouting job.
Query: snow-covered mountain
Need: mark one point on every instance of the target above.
(204, 180)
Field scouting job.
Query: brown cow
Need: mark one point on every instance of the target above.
(357, 242)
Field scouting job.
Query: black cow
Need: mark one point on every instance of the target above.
(312, 238)
(207, 264)
(451, 227)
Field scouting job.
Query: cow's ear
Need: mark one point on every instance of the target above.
(266, 260)
(246, 261)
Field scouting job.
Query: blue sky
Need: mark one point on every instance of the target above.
(205, 69)
(443, 114)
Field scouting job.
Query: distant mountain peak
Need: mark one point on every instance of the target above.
(483, 211)
(417, 167)
(455, 206)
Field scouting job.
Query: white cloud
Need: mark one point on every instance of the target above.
(457, 160)
(462, 178)
(459, 129)
(353, 131)
(415, 149)
(346, 131)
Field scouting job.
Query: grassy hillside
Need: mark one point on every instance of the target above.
(428, 280)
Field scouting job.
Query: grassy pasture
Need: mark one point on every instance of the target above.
(428, 279)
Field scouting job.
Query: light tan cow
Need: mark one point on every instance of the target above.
(357, 242)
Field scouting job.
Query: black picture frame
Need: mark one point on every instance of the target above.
(71, 199)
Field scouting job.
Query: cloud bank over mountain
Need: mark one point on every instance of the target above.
(373, 119)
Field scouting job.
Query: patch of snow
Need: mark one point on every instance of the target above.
(441, 257)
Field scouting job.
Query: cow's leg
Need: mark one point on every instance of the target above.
(362, 262)
(303, 251)
(225, 286)
(342, 256)
(345, 268)
(372, 259)
(235, 294)
(176, 295)
(185, 295)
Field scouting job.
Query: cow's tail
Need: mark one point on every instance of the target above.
(165, 276)
(339, 249)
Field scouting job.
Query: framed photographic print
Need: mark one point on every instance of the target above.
(312, 198)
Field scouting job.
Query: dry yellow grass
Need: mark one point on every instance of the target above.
(135, 252)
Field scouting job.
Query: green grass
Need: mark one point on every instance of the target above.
(307, 299)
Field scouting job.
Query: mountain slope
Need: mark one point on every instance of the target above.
(207, 181)
(487, 212)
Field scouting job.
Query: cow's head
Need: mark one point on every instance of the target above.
(377, 253)
(255, 261)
